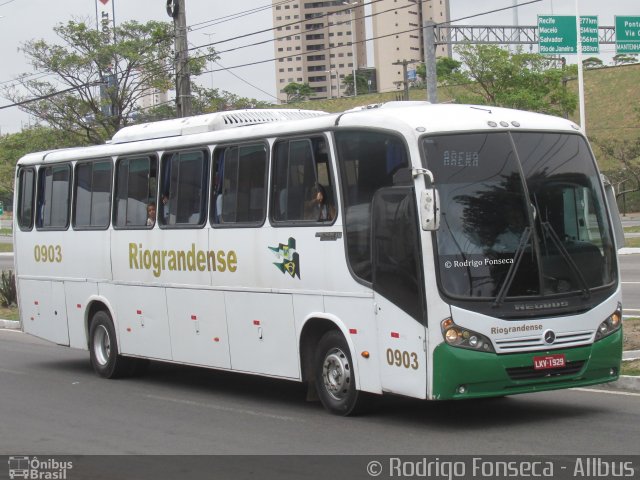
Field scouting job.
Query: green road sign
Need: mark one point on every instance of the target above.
(557, 34)
(627, 34)
(589, 34)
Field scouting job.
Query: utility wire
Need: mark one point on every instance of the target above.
(245, 81)
(49, 95)
(373, 38)
(300, 22)
(228, 69)
(215, 21)
(233, 16)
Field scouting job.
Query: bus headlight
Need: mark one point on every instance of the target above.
(611, 324)
(457, 336)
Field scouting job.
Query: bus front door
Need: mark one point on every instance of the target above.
(398, 292)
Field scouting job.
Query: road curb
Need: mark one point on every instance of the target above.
(625, 382)
(628, 250)
(10, 324)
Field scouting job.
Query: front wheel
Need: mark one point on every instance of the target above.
(103, 348)
(335, 376)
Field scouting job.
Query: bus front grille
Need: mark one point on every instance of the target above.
(529, 373)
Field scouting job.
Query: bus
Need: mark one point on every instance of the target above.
(427, 250)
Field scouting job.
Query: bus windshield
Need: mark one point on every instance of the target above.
(523, 215)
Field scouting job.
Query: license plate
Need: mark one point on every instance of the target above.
(549, 361)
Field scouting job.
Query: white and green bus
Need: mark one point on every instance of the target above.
(432, 251)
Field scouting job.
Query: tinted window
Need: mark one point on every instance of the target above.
(302, 187)
(239, 185)
(397, 274)
(368, 161)
(92, 201)
(522, 215)
(136, 183)
(53, 196)
(25, 198)
(184, 188)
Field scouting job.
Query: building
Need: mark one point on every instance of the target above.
(152, 97)
(313, 41)
(313, 44)
(398, 36)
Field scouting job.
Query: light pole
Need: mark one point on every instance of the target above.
(353, 45)
(331, 83)
(209, 35)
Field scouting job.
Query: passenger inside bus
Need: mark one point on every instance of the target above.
(318, 207)
(151, 214)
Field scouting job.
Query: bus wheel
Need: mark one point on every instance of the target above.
(103, 348)
(334, 375)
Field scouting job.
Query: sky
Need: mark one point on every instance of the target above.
(24, 20)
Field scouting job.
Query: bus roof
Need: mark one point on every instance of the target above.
(221, 127)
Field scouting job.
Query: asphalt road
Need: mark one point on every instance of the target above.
(52, 403)
(630, 275)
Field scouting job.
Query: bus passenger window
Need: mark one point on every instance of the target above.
(302, 187)
(53, 197)
(92, 199)
(136, 187)
(25, 198)
(183, 189)
(239, 185)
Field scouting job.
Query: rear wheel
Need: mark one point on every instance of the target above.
(335, 376)
(103, 348)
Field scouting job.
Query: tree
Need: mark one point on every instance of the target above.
(526, 81)
(363, 84)
(622, 58)
(447, 71)
(626, 154)
(592, 62)
(100, 81)
(205, 100)
(297, 92)
(16, 145)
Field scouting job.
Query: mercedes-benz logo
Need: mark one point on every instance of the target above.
(549, 337)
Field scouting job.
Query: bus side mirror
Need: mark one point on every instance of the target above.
(430, 209)
(610, 195)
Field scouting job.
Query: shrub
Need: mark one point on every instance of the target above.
(8, 296)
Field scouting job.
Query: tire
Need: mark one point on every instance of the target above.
(103, 348)
(334, 376)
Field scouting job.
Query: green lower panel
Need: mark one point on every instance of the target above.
(489, 375)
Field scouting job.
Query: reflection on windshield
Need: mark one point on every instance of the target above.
(487, 206)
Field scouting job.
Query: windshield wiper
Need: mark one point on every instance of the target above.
(546, 226)
(511, 273)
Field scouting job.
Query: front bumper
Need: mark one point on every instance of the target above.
(490, 375)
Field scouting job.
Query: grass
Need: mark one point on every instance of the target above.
(631, 330)
(10, 313)
(6, 247)
(611, 99)
(630, 368)
(632, 242)
(6, 231)
(633, 229)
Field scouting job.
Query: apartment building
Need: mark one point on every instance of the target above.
(313, 44)
(397, 33)
(313, 41)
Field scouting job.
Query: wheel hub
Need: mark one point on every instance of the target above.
(102, 345)
(336, 373)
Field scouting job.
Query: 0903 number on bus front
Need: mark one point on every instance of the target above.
(402, 358)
